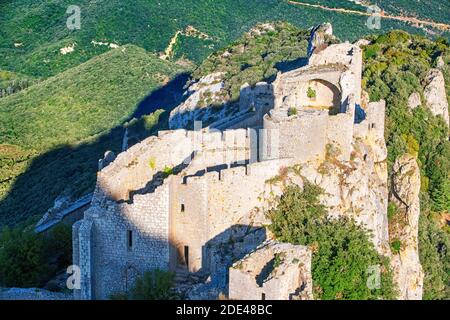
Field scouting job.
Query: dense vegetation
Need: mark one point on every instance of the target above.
(30, 260)
(11, 83)
(257, 56)
(436, 10)
(82, 101)
(342, 251)
(395, 66)
(34, 32)
(53, 133)
(153, 285)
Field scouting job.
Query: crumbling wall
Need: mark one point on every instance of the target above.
(127, 240)
(275, 271)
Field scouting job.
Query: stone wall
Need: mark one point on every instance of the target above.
(83, 257)
(302, 137)
(128, 239)
(198, 206)
(274, 271)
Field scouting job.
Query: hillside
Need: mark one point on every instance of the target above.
(34, 33)
(55, 131)
(83, 101)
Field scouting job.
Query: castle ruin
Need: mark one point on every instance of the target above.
(184, 200)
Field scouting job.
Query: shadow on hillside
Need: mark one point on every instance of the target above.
(286, 66)
(71, 170)
(166, 97)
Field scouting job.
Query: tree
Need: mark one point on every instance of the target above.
(343, 255)
(153, 285)
(22, 259)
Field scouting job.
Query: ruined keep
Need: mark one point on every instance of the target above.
(188, 200)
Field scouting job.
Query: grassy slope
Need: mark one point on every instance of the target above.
(53, 133)
(436, 10)
(82, 101)
(41, 27)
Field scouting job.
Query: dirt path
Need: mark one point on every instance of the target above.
(383, 15)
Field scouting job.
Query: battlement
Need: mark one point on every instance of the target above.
(167, 199)
(257, 276)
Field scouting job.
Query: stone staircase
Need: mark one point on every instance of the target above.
(184, 280)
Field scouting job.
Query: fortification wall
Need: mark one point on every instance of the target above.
(133, 169)
(206, 207)
(302, 137)
(339, 137)
(83, 257)
(129, 240)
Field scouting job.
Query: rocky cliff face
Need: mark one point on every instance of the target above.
(202, 96)
(404, 228)
(319, 38)
(435, 94)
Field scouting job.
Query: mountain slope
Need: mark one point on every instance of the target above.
(83, 101)
(33, 33)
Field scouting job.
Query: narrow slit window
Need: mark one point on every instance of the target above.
(186, 256)
(182, 207)
(263, 296)
(130, 239)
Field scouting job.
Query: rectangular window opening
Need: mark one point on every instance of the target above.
(130, 239)
(182, 207)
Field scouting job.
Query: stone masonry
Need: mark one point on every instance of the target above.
(182, 199)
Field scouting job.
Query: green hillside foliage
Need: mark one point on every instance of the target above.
(256, 57)
(436, 10)
(434, 246)
(82, 101)
(395, 66)
(342, 251)
(11, 83)
(30, 260)
(39, 28)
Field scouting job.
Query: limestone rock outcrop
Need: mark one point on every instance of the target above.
(435, 94)
(414, 100)
(440, 63)
(319, 37)
(206, 92)
(404, 228)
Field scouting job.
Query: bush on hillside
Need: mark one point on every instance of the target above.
(28, 259)
(23, 259)
(343, 255)
(395, 66)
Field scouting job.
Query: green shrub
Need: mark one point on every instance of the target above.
(434, 251)
(342, 251)
(153, 285)
(396, 246)
(23, 259)
(58, 244)
(392, 210)
(292, 112)
(311, 93)
(152, 163)
(168, 171)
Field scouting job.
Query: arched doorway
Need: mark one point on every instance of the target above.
(319, 94)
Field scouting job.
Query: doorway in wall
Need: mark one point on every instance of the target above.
(186, 256)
